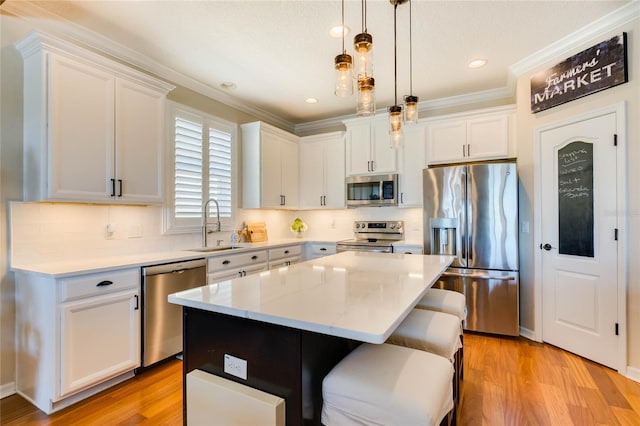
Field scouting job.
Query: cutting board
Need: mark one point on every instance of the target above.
(257, 232)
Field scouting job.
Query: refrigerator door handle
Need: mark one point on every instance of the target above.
(480, 277)
(463, 225)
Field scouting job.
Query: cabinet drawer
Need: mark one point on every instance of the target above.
(234, 261)
(283, 252)
(320, 249)
(97, 284)
(284, 262)
(239, 272)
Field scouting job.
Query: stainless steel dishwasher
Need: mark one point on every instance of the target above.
(161, 320)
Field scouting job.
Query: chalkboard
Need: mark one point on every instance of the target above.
(575, 199)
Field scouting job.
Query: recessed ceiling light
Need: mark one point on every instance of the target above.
(228, 85)
(477, 63)
(311, 100)
(337, 31)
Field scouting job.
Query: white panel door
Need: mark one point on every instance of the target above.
(334, 174)
(271, 171)
(139, 143)
(358, 152)
(80, 126)
(447, 140)
(384, 156)
(100, 338)
(579, 250)
(488, 137)
(312, 174)
(290, 172)
(413, 162)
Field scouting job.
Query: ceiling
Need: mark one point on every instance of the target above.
(278, 53)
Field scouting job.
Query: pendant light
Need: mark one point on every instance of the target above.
(410, 101)
(363, 44)
(395, 111)
(343, 69)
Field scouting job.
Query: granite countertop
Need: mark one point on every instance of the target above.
(355, 295)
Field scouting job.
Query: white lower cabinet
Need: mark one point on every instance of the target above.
(407, 249)
(75, 335)
(229, 266)
(99, 338)
(316, 250)
(285, 256)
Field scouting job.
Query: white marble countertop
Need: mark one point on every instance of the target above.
(97, 263)
(92, 264)
(355, 295)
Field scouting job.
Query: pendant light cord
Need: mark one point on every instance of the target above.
(343, 50)
(395, 53)
(410, 54)
(364, 16)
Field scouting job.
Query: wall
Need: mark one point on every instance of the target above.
(528, 122)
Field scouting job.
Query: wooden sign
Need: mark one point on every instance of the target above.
(597, 68)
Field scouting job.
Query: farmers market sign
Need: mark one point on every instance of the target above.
(597, 68)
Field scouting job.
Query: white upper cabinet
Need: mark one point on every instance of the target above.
(368, 147)
(93, 128)
(322, 177)
(269, 167)
(477, 135)
(412, 162)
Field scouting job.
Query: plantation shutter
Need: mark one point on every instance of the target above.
(220, 169)
(188, 169)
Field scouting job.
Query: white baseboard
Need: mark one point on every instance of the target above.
(528, 334)
(7, 389)
(633, 373)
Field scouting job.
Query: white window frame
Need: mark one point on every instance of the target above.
(183, 226)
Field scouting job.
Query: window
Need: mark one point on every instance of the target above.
(202, 158)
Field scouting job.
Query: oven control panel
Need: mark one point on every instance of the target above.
(382, 227)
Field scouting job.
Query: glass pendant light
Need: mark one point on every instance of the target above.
(343, 69)
(363, 44)
(410, 101)
(366, 96)
(395, 111)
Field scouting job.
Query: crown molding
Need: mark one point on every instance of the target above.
(565, 45)
(54, 25)
(423, 107)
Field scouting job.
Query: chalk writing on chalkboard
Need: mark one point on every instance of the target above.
(575, 199)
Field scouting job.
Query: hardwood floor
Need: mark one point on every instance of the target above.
(506, 382)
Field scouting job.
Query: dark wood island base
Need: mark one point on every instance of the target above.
(282, 361)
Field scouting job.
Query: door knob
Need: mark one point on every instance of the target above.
(546, 246)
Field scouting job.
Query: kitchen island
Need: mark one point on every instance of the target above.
(293, 324)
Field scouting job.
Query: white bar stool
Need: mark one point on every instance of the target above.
(434, 332)
(388, 385)
(449, 302)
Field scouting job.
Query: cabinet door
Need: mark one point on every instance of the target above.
(80, 131)
(100, 338)
(139, 143)
(334, 176)
(290, 173)
(312, 182)
(271, 173)
(413, 162)
(447, 141)
(488, 137)
(358, 152)
(384, 156)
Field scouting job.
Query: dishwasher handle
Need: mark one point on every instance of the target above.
(176, 267)
(480, 276)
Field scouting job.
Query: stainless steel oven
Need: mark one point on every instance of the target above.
(373, 236)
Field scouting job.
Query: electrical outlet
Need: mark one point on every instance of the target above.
(235, 366)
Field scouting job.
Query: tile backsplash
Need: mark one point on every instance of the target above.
(50, 232)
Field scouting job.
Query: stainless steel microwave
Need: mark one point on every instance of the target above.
(372, 190)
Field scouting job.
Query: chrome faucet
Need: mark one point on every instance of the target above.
(205, 221)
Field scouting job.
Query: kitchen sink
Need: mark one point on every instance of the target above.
(213, 249)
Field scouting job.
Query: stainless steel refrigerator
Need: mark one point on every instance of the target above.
(471, 211)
